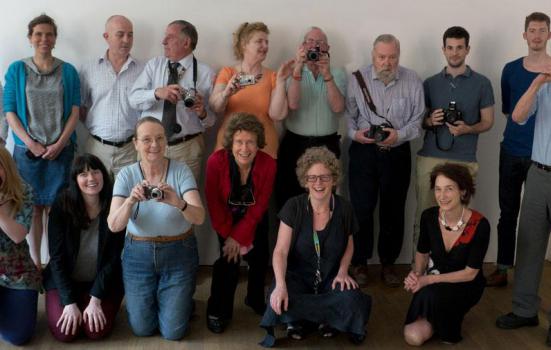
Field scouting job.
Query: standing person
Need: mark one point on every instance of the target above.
(239, 184)
(20, 280)
(315, 94)
(534, 222)
(41, 102)
(380, 159)
(447, 279)
(158, 202)
(250, 87)
(175, 88)
(516, 147)
(106, 110)
(460, 106)
(83, 278)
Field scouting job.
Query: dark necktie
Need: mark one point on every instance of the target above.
(169, 108)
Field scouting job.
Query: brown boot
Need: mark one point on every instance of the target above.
(497, 278)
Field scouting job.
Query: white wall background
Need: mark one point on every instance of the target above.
(495, 26)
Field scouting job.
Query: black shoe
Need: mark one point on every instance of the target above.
(295, 331)
(356, 339)
(216, 324)
(548, 340)
(326, 331)
(257, 308)
(512, 321)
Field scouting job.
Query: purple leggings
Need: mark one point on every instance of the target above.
(17, 314)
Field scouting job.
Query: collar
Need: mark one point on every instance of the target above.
(103, 58)
(467, 73)
(186, 62)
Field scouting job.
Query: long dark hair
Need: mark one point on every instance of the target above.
(71, 198)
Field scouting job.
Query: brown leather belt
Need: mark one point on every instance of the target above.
(162, 239)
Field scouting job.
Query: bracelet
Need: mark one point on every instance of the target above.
(297, 77)
(184, 207)
(328, 80)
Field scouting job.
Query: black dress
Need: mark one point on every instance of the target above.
(346, 311)
(445, 304)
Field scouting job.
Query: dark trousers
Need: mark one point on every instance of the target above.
(225, 276)
(375, 174)
(291, 148)
(17, 315)
(512, 174)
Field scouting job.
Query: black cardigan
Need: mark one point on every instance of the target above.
(64, 245)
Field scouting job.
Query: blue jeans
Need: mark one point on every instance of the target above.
(17, 314)
(159, 282)
(512, 175)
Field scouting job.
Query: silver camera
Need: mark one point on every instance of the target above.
(246, 79)
(189, 96)
(152, 192)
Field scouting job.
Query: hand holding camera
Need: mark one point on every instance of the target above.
(170, 93)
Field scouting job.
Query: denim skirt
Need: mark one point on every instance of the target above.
(46, 177)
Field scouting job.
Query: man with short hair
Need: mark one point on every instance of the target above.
(105, 110)
(175, 89)
(315, 93)
(460, 106)
(382, 118)
(535, 222)
(516, 147)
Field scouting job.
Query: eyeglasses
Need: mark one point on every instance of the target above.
(315, 42)
(149, 140)
(322, 178)
(245, 198)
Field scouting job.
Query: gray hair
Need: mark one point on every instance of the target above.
(387, 39)
(309, 29)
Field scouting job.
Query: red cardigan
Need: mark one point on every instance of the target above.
(217, 191)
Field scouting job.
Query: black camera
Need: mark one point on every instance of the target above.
(313, 54)
(189, 96)
(452, 114)
(153, 192)
(377, 133)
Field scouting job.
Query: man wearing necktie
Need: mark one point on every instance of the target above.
(175, 88)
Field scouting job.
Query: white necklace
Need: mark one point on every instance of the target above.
(457, 226)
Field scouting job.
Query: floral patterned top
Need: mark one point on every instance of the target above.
(17, 270)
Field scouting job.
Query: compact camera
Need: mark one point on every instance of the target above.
(313, 54)
(153, 192)
(246, 79)
(377, 133)
(189, 96)
(452, 114)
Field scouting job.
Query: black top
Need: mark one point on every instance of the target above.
(302, 258)
(468, 250)
(64, 245)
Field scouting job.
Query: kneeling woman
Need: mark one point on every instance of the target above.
(83, 279)
(19, 278)
(447, 279)
(312, 255)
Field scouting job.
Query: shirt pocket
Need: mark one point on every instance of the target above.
(400, 107)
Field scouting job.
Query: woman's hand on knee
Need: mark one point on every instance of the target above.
(345, 281)
(70, 319)
(93, 315)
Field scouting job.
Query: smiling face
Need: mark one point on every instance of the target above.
(244, 148)
(447, 193)
(319, 181)
(43, 38)
(256, 48)
(150, 141)
(537, 34)
(90, 182)
(455, 52)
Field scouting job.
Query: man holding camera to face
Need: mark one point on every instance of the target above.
(383, 93)
(459, 105)
(175, 89)
(315, 94)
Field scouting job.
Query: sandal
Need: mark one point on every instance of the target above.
(326, 331)
(295, 331)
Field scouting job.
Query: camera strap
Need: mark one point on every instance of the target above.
(367, 96)
(194, 73)
(437, 139)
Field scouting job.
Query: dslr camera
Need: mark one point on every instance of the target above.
(153, 192)
(189, 96)
(313, 54)
(246, 79)
(377, 133)
(452, 114)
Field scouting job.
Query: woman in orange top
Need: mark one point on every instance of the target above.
(250, 87)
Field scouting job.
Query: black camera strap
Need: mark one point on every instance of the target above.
(437, 138)
(367, 96)
(194, 73)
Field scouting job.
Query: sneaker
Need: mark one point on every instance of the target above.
(359, 272)
(389, 277)
(498, 278)
(512, 321)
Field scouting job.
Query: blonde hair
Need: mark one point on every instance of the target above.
(244, 33)
(11, 189)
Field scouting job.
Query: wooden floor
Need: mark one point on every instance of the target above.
(384, 329)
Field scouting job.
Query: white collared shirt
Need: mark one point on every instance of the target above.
(105, 94)
(155, 75)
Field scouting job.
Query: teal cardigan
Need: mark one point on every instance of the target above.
(15, 98)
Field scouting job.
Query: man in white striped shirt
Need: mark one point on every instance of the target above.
(105, 84)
